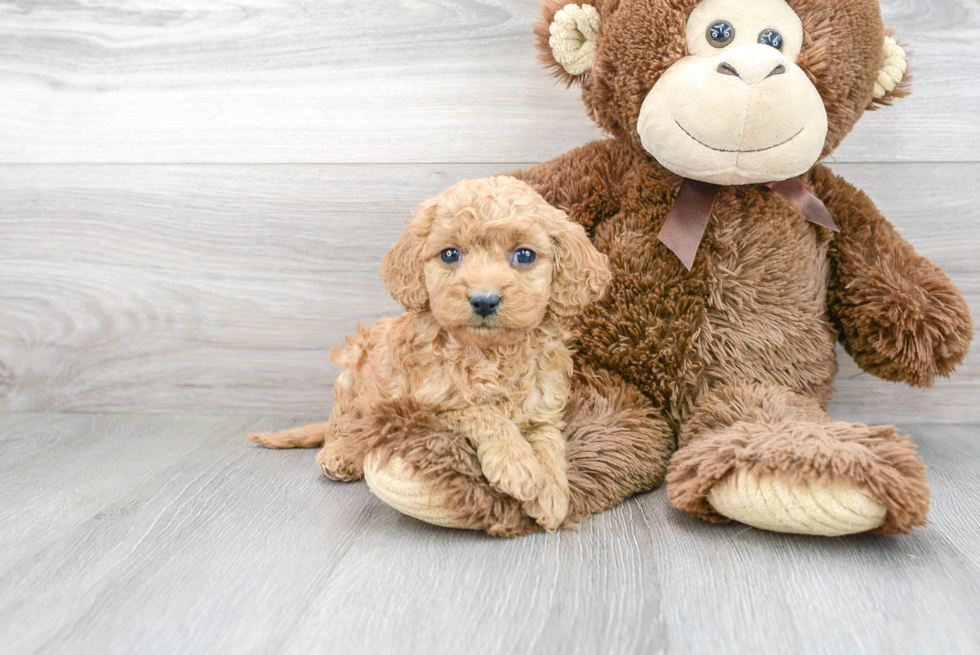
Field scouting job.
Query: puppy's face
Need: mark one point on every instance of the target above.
(490, 259)
(488, 280)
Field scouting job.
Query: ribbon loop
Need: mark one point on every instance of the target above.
(795, 192)
(685, 224)
(688, 218)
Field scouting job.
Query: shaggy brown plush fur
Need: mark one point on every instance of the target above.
(898, 314)
(769, 293)
(640, 39)
(614, 444)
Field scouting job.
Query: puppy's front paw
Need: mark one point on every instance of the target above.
(512, 472)
(336, 465)
(551, 506)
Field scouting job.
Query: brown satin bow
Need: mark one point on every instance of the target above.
(685, 224)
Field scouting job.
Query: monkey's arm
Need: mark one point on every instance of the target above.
(584, 182)
(897, 313)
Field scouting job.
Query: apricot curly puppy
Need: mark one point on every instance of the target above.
(488, 272)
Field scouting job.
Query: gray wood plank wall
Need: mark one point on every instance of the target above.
(195, 196)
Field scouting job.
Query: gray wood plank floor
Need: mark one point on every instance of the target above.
(149, 534)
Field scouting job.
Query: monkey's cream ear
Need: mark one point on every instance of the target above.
(567, 37)
(573, 34)
(891, 82)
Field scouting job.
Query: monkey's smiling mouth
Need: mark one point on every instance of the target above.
(739, 151)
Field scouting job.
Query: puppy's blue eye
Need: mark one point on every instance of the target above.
(720, 33)
(524, 256)
(771, 37)
(450, 256)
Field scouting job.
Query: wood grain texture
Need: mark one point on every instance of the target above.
(268, 152)
(373, 81)
(167, 288)
(221, 289)
(150, 534)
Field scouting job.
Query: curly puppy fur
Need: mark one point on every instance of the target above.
(614, 449)
(501, 380)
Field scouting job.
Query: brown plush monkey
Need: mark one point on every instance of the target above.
(718, 112)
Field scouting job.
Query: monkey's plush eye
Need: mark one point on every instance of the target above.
(720, 33)
(450, 256)
(771, 37)
(524, 256)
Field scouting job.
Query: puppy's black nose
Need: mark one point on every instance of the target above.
(484, 305)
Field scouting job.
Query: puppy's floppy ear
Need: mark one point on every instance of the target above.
(402, 268)
(581, 273)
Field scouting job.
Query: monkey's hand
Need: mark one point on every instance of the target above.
(899, 315)
(905, 324)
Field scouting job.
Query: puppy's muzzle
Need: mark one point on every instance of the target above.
(485, 304)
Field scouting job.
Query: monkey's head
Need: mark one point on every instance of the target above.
(725, 91)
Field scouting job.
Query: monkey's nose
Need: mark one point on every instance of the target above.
(753, 63)
(778, 70)
(727, 69)
(485, 304)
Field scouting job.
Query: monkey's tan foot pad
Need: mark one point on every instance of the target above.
(397, 485)
(829, 509)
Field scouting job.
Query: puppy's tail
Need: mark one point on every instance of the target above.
(308, 436)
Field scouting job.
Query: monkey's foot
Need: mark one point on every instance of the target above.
(836, 507)
(803, 477)
(398, 485)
